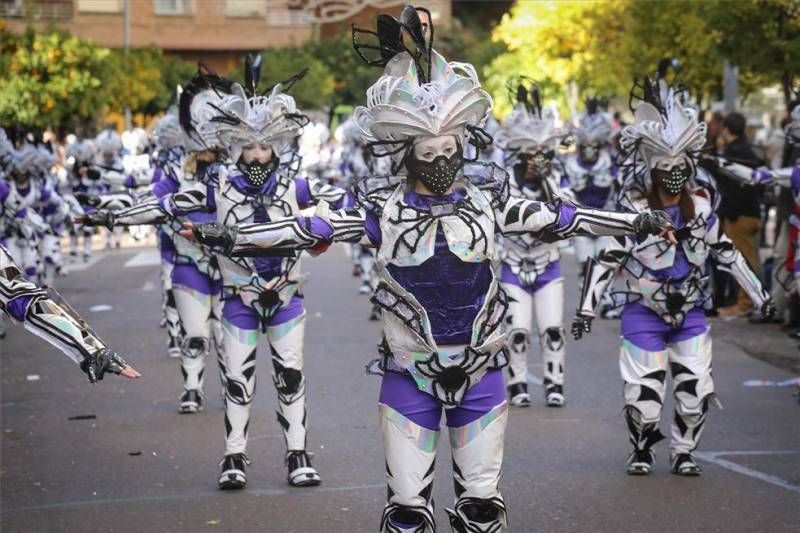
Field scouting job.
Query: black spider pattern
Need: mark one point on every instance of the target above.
(465, 209)
(389, 300)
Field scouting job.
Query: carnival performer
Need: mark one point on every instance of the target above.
(531, 271)
(665, 284)
(23, 197)
(260, 184)
(196, 277)
(49, 317)
(85, 182)
(434, 223)
(169, 156)
(591, 172)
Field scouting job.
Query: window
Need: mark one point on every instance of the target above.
(172, 7)
(100, 6)
(245, 8)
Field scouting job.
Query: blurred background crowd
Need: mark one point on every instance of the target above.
(72, 68)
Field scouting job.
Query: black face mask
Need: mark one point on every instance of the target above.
(257, 173)
(437, 175)
(672, 181)
(589, 153)
(540, 162)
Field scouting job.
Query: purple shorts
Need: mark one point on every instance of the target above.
(551, 272)
(644, 328)
(235, 312)
(400, 392)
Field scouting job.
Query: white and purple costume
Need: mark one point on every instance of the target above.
(664, 287)
(438, 284)
(54, 321)
(531, 269)
(591, 172)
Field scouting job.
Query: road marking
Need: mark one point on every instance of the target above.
(714, 457)
(145, 258)
(185, 496)
(74, 264)
(100, 308)
(769, 383)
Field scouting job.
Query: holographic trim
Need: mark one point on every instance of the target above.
(647, 358)
(426, 439)
(461, 436)
(248, 337)
(281, 330)
(64, 324)
(194, 293)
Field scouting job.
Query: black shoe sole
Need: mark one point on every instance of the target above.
(232, 485)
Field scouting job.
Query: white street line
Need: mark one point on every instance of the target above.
(148, 257)
(74, 264)
(713, 457)
(769, 383)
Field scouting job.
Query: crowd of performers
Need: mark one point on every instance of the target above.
(455, 225)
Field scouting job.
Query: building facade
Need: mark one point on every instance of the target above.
(217, 31)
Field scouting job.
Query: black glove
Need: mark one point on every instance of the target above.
(581, 324)
(651, 223)
(99, 218)
(709, 163)
(768, 310)
(96, 365)
(216, 235)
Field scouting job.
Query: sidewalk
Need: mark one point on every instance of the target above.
(767, 342)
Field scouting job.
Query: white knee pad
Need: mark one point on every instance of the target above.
(477, 450)
(410, 452)
(286, 342)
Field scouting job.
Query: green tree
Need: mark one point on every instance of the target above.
(50, 79)
(145, 81)
(313, 91)
(762, 38)
(558, 44)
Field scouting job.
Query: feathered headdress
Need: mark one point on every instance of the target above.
(664, 127)
(245, 117)
(167, 133)
(196, 106)
(595, 125)
(529, 122)
(420, 93)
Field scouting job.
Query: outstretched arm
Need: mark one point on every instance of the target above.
(314, 233)
(561, 220)
(598, 275)
(732, 260)
(53, 320)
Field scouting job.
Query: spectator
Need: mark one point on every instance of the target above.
(740, 208)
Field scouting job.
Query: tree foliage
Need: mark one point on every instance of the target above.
(53, 79)
(599, 47)
(50, 79)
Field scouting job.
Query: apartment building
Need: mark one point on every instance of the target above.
(218, 31)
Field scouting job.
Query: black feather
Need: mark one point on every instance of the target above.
(536, 101)
(592, 104)
(390, 36)
(203, 80)
(252, 73)
(522, 95)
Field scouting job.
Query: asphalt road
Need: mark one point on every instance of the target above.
(138, 466)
